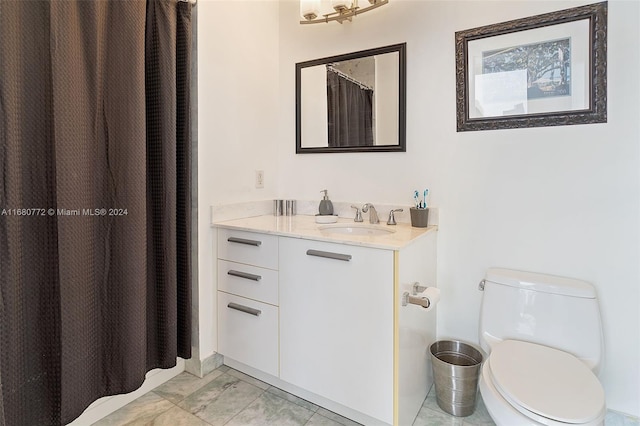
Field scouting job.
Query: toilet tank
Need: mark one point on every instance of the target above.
(553, 311)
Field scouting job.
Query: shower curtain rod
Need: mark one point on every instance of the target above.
(348, 77)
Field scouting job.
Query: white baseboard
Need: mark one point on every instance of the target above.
(107, 405)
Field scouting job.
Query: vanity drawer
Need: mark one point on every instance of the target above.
(248, 332)
(248, 247)
(248, 281)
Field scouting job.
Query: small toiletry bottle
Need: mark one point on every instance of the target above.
(326, 206)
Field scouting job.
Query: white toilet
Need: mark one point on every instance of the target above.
(543, 337)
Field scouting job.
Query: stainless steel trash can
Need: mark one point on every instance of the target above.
(456, 368)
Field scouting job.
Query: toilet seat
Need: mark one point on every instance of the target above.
(545, 384)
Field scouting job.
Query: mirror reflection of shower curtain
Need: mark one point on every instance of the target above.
(95, 188)
(349, 112)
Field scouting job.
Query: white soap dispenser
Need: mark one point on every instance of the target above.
(326, 206)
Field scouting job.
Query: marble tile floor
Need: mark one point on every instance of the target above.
(223, 397)
(229, 397)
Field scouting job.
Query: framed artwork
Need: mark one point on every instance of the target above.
(545, 70)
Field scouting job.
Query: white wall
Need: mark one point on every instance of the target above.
(237, 124)
(387, 99)
(562, 200)
(313, 107)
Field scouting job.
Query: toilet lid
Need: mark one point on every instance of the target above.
(546, 381)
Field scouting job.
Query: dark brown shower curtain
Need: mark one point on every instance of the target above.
(349, 112)
(94, 201)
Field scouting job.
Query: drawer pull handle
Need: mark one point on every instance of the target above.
(244, 309)
(244, 241)
(244, 275)
(329, 255)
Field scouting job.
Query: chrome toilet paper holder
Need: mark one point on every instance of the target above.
(413, 298)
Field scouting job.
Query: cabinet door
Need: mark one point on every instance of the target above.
(336, 323)
(248, 332)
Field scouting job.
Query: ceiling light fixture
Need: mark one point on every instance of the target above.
(345, 10)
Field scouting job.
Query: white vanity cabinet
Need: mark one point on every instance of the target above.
(336, 323)
(322, 317)
(248, 298)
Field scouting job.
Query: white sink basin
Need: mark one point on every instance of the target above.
(355, 229)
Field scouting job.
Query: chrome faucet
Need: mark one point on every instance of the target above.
(373, 214)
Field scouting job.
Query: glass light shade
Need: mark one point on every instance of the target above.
(309, 8)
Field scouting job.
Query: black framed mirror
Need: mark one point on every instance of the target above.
(354, 102)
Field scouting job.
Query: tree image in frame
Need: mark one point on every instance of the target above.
(548, 66)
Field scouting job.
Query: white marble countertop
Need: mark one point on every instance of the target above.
(302, 226)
